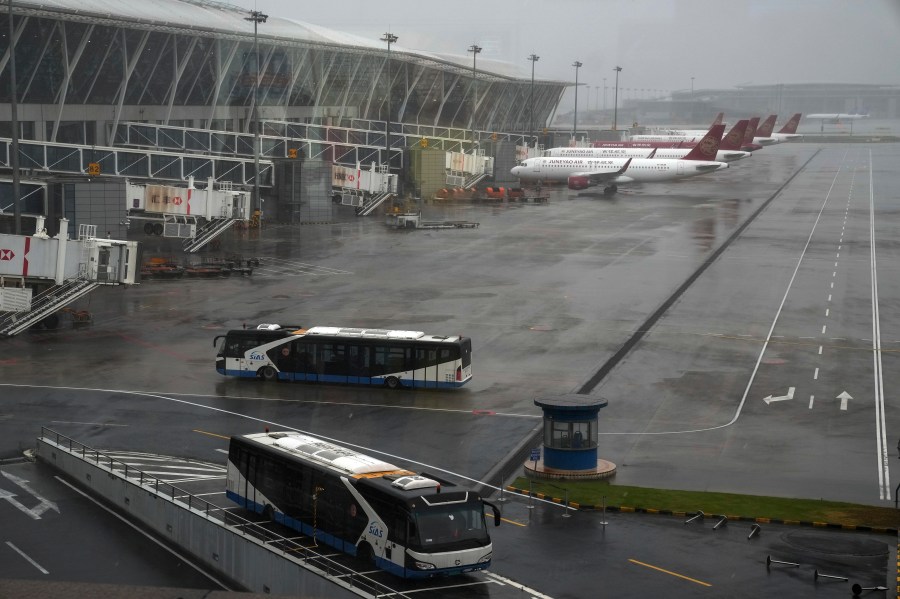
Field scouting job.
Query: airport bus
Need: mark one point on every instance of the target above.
(411, 525)
(345, 355)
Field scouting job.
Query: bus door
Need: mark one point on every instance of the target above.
(249, 491)
(424, 366)
(358, 364)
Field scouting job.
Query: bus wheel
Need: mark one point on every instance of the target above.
(268, 373)
(269, 513)
(366, 554)
(392, 382)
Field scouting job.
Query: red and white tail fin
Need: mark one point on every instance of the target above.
(766, 128)
(718, 119)
(751, 130)
(735, 138)
(707, 147)
(790, 127)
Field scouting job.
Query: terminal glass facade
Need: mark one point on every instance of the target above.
(73, 71)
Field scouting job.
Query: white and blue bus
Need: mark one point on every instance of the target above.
(345, 355)
(411, 525)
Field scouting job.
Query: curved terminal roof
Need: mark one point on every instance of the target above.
(221, 19)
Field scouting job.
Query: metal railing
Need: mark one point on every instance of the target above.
(288, 548)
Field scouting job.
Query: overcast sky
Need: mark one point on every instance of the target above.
(660, 44)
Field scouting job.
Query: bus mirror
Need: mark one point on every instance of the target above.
(496, 511)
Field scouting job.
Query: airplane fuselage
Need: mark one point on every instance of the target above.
(762, 141)
(667, 153)
(581, 173)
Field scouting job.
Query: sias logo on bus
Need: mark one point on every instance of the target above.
(257, 356)
(375, 530)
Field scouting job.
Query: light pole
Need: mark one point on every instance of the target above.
(616, 102)
(14, 123)
(257, 17)
(604, 94)
(589, 98)
(692, 99)
(533, 58)
(577, 66)
(390, 38)
(475, 49)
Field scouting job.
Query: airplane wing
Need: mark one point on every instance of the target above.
(598, 177)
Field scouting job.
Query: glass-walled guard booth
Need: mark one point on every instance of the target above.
(570, 437)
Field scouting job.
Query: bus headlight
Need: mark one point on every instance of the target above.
(424, 565)
(485, 558)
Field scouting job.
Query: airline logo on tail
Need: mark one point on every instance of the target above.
(733, 140)
(751, 130)
(791, 125)
(765, 130)
(707, 147)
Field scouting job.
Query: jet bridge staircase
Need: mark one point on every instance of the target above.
(205, 234)
(374, 202)
(46, 304)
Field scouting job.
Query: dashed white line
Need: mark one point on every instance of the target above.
(816, 375)
(820, 350)
(823, 328)
(811, 398)
(827, 310)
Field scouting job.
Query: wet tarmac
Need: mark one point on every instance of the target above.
(725, 290)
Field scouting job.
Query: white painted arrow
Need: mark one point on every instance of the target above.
(10, 497)
(36, 511)
(770, 399)
(844, 396)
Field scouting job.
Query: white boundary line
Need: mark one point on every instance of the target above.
(31, 561)
(160, 543)
(884, 473)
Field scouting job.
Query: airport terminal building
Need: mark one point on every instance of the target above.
(83, 69)
(164, 90)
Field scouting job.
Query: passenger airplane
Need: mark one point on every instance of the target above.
(730, 141)
(748, 145)
(678, 135)
(763, 134)
(581, 173)
(735, 137)
(835, 118)
(789, 129)
(694, 132)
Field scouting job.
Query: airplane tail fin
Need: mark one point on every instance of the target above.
(718, 119)
(791, 126)
(765, 130)
(751, 130)
(707, 147)
(735, 138)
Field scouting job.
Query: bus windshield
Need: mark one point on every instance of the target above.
(458, 524)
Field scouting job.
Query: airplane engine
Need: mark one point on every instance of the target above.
(579, 182)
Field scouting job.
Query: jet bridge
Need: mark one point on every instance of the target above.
(39, 274)
(196, 215)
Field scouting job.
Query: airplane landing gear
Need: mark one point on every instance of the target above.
(610, 190)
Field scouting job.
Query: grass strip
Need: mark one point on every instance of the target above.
(592, 493)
